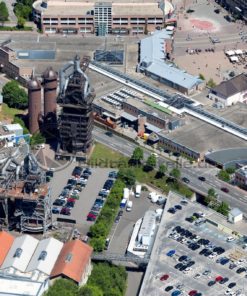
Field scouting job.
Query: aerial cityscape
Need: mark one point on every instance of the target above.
(123, 147)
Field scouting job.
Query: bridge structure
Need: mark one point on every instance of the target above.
(176, 103)
(110, 257)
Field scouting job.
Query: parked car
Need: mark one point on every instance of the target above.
(168, 288)
(201, 178)
(65, 211)
(192, 292)
(77, 171)
(231, 285)
(185, 180)
(178, 207)
(218, 278)
(55, 210)
(171, 253)
(224, 280)
(211, 283)
(164, 277)
(59, 202)
(176, 293)
(172, 210)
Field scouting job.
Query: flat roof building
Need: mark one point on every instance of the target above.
(89, 17)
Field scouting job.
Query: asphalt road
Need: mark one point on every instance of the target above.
(235, 197)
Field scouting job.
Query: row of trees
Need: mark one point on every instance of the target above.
(225, 175)
(23, 9)
(105, 280)
(212, 201)
(100, 230)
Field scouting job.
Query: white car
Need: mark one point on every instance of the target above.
(187, 270)
(201, 214)
(211, 256)
(228, 292)
(230, 239)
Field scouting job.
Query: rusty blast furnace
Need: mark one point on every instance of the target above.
(75, 99)
(34, 104)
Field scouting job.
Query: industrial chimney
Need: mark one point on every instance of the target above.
(34, 104)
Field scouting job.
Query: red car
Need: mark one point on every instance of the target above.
(65, 211)
(193, 292)
(224, 189)
(218, 278)
(71, 199)
(164, 277)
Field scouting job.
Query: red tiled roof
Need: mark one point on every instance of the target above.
(72, 260)
(6, 241)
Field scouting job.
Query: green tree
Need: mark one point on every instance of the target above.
(175, 173)
(223, 208)
(230, 170)
(201, 76)
(162, 170)
(98, 230)
(211, 192)
(62, 287)
(22, 124)
(224, 176)
(14, 96)
(137, 156)
(24, 9)
(98, 243)
(90, 290)
(4, 14)
(21, 22)
(150, 163)
(211, 199)
(37, 139)
(128, 176)
(211, 83)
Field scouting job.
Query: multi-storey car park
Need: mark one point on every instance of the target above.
(108, 17)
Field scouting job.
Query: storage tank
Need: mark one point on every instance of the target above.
(50, 91)
(34, 104)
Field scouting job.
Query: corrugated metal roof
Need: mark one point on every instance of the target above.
(148, 224)
(152, 127)
(153, 53)
(173, 74)
(128, 116)
(20, 252)
(45, 255)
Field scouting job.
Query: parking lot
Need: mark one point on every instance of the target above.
(86, 197)
(205, 273)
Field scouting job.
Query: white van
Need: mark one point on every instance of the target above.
(129, 206)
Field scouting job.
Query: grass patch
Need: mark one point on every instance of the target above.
(9, 113)
(104, 156)
(8, 28)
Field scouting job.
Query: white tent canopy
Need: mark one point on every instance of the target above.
(238, 51)
(234, 59)
(230, 52)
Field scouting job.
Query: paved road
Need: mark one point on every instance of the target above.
(235, 198)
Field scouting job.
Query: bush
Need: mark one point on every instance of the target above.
(37, 139)
(62, 287)
(4, 14)
(224, 176)
(22, 124)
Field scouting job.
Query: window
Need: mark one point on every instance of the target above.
(18, 253)
(69, 257)
(42, 255)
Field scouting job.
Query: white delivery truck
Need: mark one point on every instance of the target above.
(126, 193)
(129, 206)
(138, 190)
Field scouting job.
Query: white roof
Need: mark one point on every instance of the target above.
(45, 255)
(230, 52)
(13, 127)
(14, 287)
(20, 252)
(234, 59)
(236, 212)
(238, 51)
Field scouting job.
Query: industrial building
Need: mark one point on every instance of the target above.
(11, 67)
(241, 177)
(25, 202)
(101, 18)
(155, 52)
(76, 117)
(230, 92)
(29, 266)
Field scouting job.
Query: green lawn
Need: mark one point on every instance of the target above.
(9, 113)
(103, 156)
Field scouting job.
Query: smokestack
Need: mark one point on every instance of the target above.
(34, 104)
